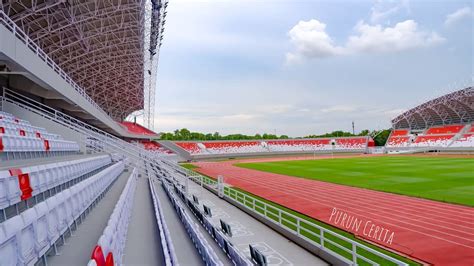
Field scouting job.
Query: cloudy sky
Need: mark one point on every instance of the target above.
(307, 67)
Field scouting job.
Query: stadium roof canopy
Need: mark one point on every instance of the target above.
(452, 108)
(101, 44)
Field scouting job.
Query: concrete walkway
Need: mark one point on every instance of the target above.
(186, 252)
(247, 230)
(143, 246)
(78, 248)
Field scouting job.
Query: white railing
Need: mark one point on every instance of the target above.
(24, 38)
(233, 253)
(102, 141)
(166, 239)
(300, 227)
(207, 253)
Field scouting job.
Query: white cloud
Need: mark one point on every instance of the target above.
(312, 41)
(458, 15)
(384, 9)
(340, 109)
(403, 36)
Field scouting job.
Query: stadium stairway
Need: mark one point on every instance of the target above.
(176, 149)
(186, 253)
(143, 245)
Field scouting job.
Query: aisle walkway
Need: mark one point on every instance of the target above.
(143, 246)
(186, 253)
(247, 230)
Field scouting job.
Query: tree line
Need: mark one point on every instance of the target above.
(380, 137)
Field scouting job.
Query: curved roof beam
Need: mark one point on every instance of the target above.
(451, 108)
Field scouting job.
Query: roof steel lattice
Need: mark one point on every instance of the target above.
(452, 108)
(101, 44)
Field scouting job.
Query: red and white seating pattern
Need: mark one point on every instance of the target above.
(402, 141)
(111, 244)
(293, 145)
(155, 147)
(399, 138)
(25, 238)
(350, 143)
(451, 129)
(223, 147)
(18, 135)
(23, 183)
(438, 136)
(191, 147)
(400, 132)
(138, 129)
(466, 140)
(299, 145)
(432, 141)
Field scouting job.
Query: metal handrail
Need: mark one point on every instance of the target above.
(166, 240)
(24, 38)
(299, 222)
(108, 142)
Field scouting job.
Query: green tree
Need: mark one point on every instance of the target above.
(364, 132)
(381, 138)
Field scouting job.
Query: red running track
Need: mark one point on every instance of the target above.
(434, 232)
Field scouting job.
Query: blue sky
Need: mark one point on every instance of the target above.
(307, 67)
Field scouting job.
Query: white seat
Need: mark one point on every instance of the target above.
(9, 246)
(27, 237)
(4, 189)
(53, 220)
(10, 185)
(41, 228)
(104, 243)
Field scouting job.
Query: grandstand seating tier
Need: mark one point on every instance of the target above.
(466, 140)
(398, 141)
(450, 129)
(137, 129)
(437, 136)
(265, 146)
(155, 147)
(400, 132)
(18, 135)
(190, 147)
(26, 237)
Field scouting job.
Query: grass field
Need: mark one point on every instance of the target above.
(439, 178)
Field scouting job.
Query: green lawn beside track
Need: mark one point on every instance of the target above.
(444, 179)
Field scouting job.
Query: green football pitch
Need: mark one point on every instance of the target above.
(438, 178)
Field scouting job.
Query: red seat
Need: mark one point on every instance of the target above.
(399, 132)
(137, 128)
(445, 129)
(98, 256)
(398, 141)
(109, 261)
(427, 138)
(190, 147)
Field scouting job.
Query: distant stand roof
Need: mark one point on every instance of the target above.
(452, 108)
(138, 129)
